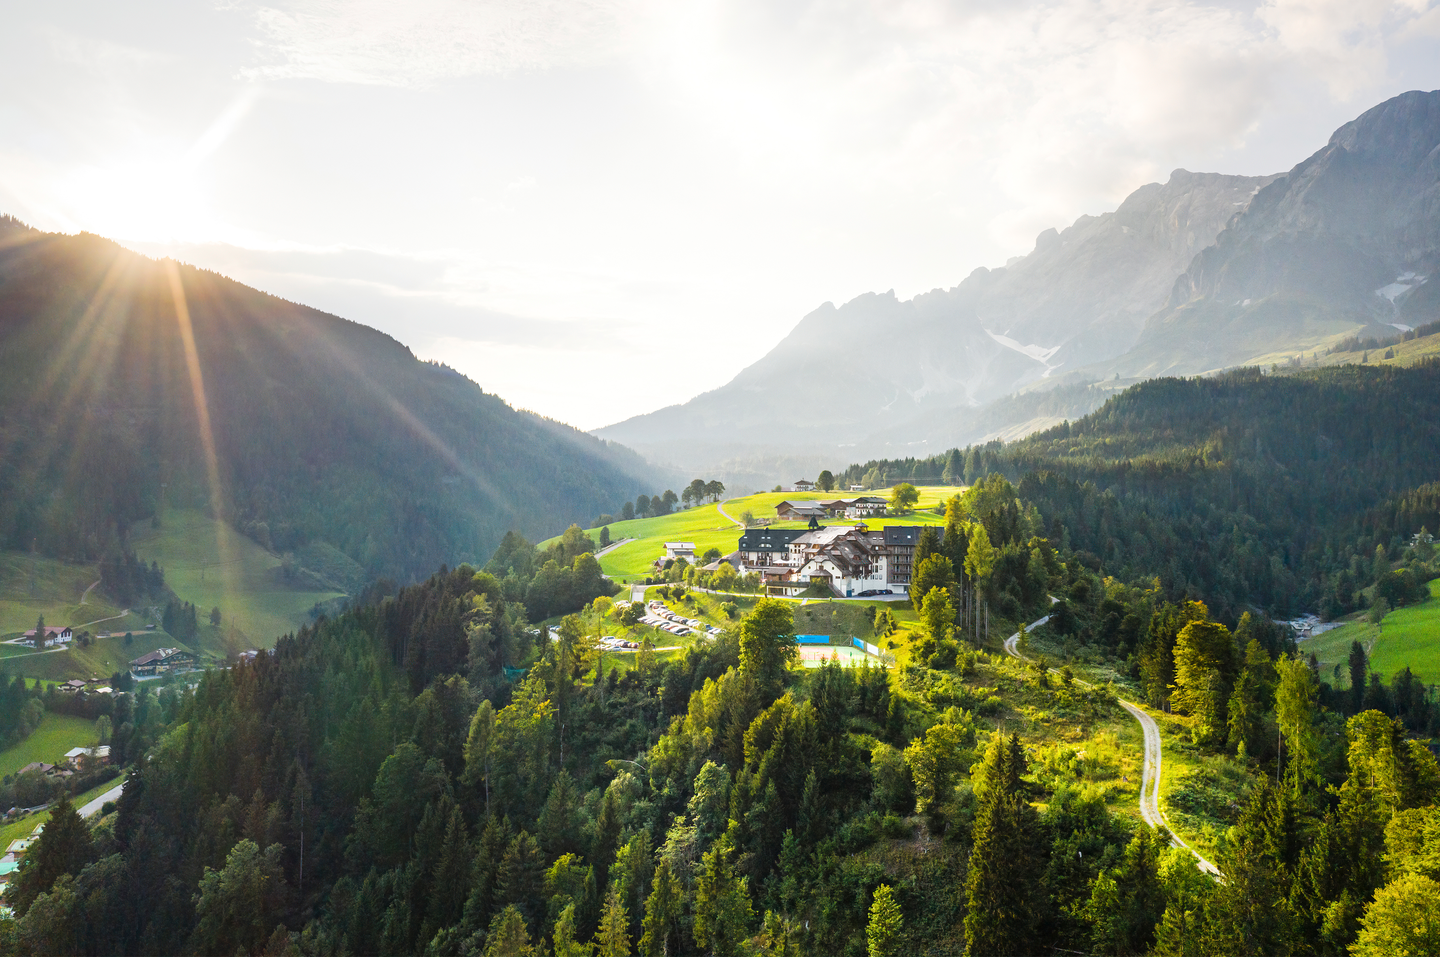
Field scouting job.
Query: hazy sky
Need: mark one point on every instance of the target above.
(598, 207)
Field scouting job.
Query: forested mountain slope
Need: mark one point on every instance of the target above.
(126, 378)
(1250, 490)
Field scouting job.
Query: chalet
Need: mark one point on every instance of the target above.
(803, 510)
(800, 511)
(678, 550)
(803, 485)
(73, 686)
(76, 757)
(53, 636)
(40, 766)
(163, 661)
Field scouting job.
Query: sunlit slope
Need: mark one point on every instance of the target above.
(129, 380)
(32, 586)
(1408, 637)
(708, 528)
(208, 564)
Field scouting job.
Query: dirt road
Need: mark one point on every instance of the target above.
(1150, 780)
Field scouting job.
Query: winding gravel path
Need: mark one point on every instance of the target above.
(1150, 781)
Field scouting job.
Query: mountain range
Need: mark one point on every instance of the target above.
(1203, 272)
(135, 385)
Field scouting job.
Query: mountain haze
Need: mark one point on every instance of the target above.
(1346, 239)
(1202, 273)
(128, 378)
(848, 376)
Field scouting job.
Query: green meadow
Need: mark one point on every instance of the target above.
(56, 734)
(31, 586)
(210, 564)
(708, 527)
(1408, 636)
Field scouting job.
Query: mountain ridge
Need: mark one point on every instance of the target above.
(1204, 272)
(132, 378)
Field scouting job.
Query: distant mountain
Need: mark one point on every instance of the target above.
(852, 376)
(298, 427)
(1349, 238)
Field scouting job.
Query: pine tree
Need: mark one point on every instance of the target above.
(64, 847)
(508, 936)
(722, 903)
(1359, 667)
(564, 936)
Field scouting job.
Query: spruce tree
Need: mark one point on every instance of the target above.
(613, 937)
(1004, 871)
(64, 847)
(662, 914)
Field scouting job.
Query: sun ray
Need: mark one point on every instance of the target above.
(227, 558)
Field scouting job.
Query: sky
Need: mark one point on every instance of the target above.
(596, 208)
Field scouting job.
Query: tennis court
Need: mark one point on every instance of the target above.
(813, 656)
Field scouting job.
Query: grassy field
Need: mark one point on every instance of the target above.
(1406, 354)
(1408, 636)
(57, 734)
(708, 528)
(31, 586)
(210, 564)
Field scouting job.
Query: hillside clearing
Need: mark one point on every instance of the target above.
(1408, 636)
(208, 563)
(56, 734)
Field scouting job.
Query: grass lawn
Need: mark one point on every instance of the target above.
(210, 564)
(1408, 636)
(27, 825)
(708, 528)
(31, 586)
(57, 734)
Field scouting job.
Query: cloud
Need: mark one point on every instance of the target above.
(420, 42)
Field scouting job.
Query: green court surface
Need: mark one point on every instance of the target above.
(813, 656)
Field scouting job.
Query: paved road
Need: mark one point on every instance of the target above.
(720, 507)
(93, 808)
(1150, 781)
(612, 546)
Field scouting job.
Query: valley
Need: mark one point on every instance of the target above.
(1027, 666)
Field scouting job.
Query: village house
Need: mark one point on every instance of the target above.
(802, 485)
(801, 510)
(163, 661)
(79, 757)
(53, 636)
